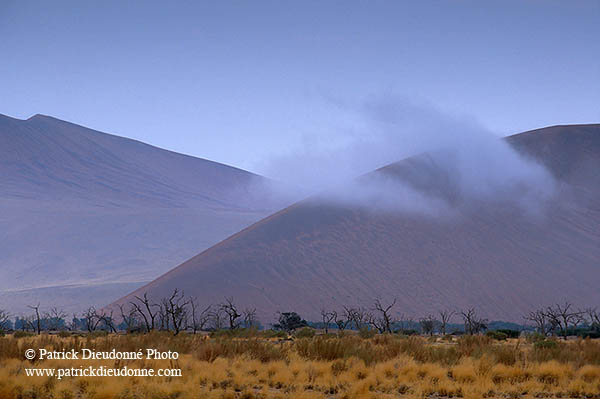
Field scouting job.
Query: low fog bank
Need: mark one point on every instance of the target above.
(457, 160)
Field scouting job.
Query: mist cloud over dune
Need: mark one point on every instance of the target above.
(470, 160)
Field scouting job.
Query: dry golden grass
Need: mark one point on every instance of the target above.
(320, 367)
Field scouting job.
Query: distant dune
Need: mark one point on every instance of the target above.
(80, 208)
(503, 255)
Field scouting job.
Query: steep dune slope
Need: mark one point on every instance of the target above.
(81, 209)
(497, 252)
(46, 158)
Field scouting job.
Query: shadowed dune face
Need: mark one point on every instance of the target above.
(49, 159)
(500, 253)
(83, 208)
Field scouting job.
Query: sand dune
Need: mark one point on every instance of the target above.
(83, 208)
(505, 252)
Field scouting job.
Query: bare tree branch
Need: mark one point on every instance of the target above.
(445, 317)
(232, 313)
(38, 325)
(383, 320)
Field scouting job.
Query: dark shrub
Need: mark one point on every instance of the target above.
(509, 333)
(497, 335)
(407, 332)
(589, 334)
(290, 321)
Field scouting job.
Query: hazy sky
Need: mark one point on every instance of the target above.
(242, 82)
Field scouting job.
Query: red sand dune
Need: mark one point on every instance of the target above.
(490, 254)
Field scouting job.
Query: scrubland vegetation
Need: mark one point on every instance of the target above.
(354, 353)
(251, 364)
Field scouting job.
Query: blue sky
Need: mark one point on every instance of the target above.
(245, 82)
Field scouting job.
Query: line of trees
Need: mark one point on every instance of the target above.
(556, 320)
(564, 320)
(383, 318)
(178, 312)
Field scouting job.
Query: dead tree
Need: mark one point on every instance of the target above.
(29, 323)
(162, 315)
(107, 320)
(55, 319)
(199, 319)
(553, 325)
(382, 320)
(129, 318)
(473, 323)
(38, 321)
(216, 318)
(91, 319)
(540, 319)
(579, 318)
(563, 316)
(359, 316)
(144, 309)
(229, 308)
(73, 324)
(175, 310)
(341, 321)
(445, 317)
(249, 316)
(327, 318)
